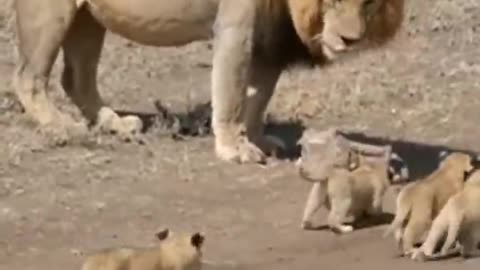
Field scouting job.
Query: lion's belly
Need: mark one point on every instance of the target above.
(157, 22)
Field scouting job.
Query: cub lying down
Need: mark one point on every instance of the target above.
(459, 219)
(419, 202)
(174, 252)
(349, 192)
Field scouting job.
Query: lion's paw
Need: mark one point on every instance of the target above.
(241, 152)
(64, 130)
(128, 128)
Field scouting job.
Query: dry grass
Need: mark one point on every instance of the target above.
(56, 203)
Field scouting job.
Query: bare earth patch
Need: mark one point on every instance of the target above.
(59, 202)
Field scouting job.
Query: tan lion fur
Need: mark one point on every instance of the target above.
(418, 203)
(459, 220)
(254, 41)
(175, 251)
(349, 193)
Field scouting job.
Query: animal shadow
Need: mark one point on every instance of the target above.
(196, 122)
(374, 221)
(421, 159)
(362, 223)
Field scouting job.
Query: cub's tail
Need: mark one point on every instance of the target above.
(402, 213)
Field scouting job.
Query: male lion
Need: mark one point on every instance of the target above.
(418, 203)
(254, 41)
(179, 252)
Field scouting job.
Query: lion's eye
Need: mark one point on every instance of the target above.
(369, 2)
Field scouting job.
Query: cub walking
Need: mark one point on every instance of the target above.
(459, 220)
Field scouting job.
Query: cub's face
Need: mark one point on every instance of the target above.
(459, 161)
(345, 23)
(186, 246)
(321, 154)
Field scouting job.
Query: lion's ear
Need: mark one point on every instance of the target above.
(197, 240)
(162, 235)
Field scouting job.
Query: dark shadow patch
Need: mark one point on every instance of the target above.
(289, 132)
(197, 121)
(318, 228)
(361, 223)
(421, 159)
(374, 221)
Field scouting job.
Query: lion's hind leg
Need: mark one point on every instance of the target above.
(41, 28)
(415, 229)
(439, 227)
(82, 49)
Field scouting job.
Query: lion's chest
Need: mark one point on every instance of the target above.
(157, 22)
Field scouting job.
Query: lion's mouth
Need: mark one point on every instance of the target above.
(333, 44)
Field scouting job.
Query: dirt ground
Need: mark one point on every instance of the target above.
(420, 93)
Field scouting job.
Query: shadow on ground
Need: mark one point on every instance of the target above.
(421, 159)
(362, 223)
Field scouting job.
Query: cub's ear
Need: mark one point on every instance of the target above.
(353, 160)
(162, 235)
(197, 240)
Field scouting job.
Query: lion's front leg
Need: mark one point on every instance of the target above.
(231, 62)
(41, 30)
(262, 85)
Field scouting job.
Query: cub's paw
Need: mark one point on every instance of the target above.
(241, 152)
(128, 128)
(342, 229)
(345, 228)
(307, 225)
(418, 255)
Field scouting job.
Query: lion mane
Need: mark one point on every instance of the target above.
(285, 30)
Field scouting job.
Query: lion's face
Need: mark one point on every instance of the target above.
(345, 23)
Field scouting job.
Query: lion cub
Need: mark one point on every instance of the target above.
(419, 202)
(174, 252)
(349, 192)
(460, 220)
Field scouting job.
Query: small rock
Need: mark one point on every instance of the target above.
(100, 206)
(75, 252)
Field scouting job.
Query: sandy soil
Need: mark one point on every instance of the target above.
(421, 93)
